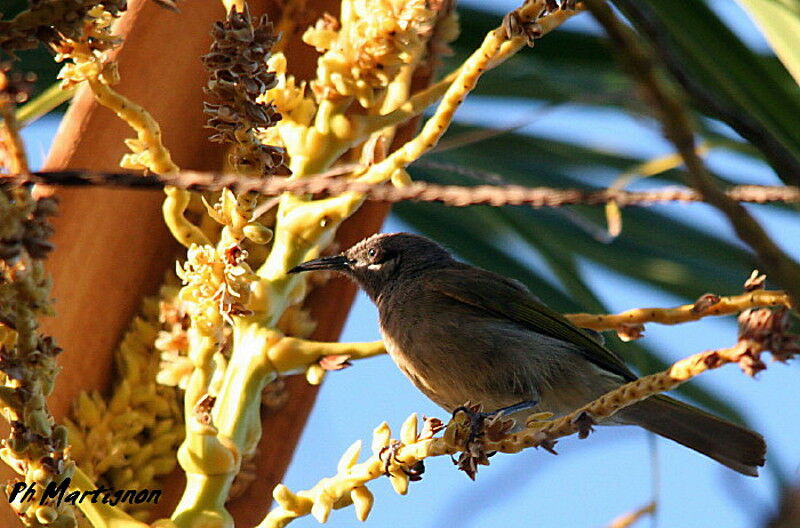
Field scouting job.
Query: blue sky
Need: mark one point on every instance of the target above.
(590, 481)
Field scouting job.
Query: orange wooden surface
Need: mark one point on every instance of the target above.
(112, 247)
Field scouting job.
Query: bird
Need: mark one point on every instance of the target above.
(461, 333)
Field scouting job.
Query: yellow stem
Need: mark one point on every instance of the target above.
(147, 129)
(435, 127)
(417, 103)
(301, 228)
(496, 47)
(248, 371)
(16, 160)
(201, 352)
(629, 519)
(203, 503)
(99, 514)
(682, 314)
(291, 354)
(149, 136)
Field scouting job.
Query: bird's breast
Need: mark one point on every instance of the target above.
(454, 358)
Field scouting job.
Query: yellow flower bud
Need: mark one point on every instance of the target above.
(401, 178)
(408, 433)
(258, 233)
(362, 502)
(86, 411)
(315, 374)
(350, 457)
(399, 482)
(121, 399)
(381, 437)
(46, 514)
(290, 501)
(322, 507)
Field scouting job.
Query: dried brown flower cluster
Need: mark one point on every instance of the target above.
(36, 448)
(51, 21)
(528, 27)
(30, 233)
(769, 329)
(469, 428)
(238, 65)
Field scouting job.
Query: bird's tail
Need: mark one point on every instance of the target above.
(729, 444)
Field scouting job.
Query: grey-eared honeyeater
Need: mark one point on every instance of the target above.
(462, 333)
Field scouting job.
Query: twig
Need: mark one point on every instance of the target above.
(634, 392)
(677, 128)
(629, 323)
(453, 195)
(45, 102)
(291, 354)
(628, 519)
(519, 27)
(13, 157)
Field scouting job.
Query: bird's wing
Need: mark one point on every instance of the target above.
(509, 299)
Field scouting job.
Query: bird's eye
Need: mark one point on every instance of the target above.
(371, 253)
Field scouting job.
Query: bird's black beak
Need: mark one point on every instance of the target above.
(337, 263)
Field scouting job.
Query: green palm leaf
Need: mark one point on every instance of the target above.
(725, 77)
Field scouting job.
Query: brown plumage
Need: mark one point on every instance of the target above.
(461, 333)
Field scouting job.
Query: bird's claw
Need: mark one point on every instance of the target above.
(390, 454)
(476, 420)
(481, 425)
(414, 473)
(492, 425)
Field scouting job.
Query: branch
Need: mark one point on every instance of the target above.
(13, 155)
(291, 354)
(453, 195)
(629, 519)
(677, 128)
(629, 323)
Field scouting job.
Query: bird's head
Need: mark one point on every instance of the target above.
(382, 260)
